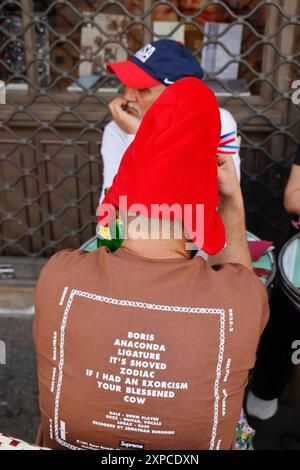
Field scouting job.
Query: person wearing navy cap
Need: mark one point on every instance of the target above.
(145, 76)
(274, 365)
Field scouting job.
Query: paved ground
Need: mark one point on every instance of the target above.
(19, 414)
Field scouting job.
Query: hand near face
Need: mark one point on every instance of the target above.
(128, 119)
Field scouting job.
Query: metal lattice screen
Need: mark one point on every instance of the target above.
(52, 59)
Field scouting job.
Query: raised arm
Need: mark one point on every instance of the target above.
(233, 215)
(292, 191)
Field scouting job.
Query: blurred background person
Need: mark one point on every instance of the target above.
(274, 365)
(153, 68)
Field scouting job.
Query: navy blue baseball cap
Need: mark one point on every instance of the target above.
(160, 62)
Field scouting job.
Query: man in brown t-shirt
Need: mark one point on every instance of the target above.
(146, 347)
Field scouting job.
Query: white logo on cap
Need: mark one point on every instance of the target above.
(145, 53)
(168, 82)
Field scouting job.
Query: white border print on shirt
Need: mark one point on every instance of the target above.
(75, 294)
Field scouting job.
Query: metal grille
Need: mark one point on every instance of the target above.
(52, 123)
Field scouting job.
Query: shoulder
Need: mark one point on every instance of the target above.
(244, 280)
(64, 256)
(248, 291)
(64, 265)
(69, 267)
(235, 269)
(227, 120)
(114, 139)
(112, 129)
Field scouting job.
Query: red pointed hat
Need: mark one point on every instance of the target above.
(172, 162)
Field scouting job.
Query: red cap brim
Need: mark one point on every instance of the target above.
(131, 75)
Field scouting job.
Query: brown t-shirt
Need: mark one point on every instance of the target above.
(137, 353)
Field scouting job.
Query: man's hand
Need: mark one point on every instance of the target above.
(128, 120)
(228, 182)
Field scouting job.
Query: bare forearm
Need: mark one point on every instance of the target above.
(233, 216)
(292, 202)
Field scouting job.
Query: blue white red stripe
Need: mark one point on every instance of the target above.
(225, 146)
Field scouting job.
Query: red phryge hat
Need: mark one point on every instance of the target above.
(172, 160)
